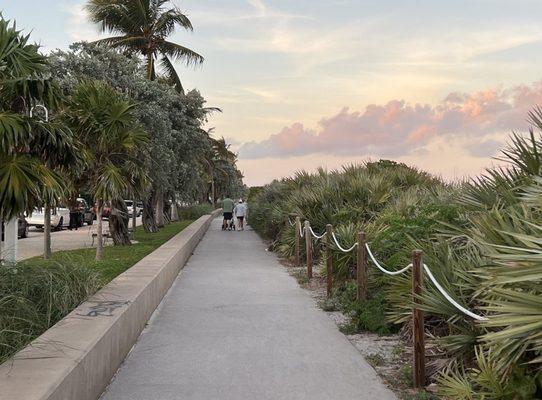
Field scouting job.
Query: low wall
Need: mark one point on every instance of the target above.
(77, 357)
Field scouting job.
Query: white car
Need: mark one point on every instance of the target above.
(130, 207)
(60, 217)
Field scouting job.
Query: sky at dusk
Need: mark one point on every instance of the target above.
(308, 83)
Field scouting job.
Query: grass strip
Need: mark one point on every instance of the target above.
(117, 259)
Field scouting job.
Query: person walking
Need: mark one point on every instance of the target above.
(227, 209)
(241, 213)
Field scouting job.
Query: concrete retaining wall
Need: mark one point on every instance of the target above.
(76, 358)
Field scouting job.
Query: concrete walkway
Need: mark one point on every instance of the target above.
(236, 326)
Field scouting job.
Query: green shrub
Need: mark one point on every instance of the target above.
(195, 211)
(33, 298)
(368, 315)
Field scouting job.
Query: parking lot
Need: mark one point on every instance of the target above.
(65, 239)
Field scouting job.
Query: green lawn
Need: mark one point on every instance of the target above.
(117, 258)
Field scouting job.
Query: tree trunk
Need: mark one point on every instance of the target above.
(149, 220)
(174, 211)
(167, 209)
(160, 208)
(212, 175)
(134, 215)
(46, 231)
(150, 67)
(99, 231)
(118, 223)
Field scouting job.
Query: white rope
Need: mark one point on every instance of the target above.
(301, 231)
(381, 268)
(315, 235)
(340, 247)
(377, 264)
(450, 299)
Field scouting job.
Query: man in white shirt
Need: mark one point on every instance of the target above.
(241, 213)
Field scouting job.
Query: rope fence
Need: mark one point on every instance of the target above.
(381, 268)
(317, 237)
(363, 254)
(340, 247)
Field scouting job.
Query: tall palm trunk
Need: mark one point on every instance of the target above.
(99, 231)
(160, 208)
(118, 223)
(46, 231)
(211, 173)
(150, 67)
(149, 221)
(174, 211)
(134, 215)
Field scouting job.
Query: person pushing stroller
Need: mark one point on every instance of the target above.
(227, 209)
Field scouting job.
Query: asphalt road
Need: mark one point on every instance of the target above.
(236, 326)
(65, 239)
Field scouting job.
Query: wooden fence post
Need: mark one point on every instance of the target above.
(308, 248)
(329, 255)
(361, 273)
(297, 261)
(418, 320)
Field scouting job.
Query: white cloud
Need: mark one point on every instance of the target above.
(79, 27)
(259, 5)
(481, 119)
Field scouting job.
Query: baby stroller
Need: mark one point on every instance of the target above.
(230, 225)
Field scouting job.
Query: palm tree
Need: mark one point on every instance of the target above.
(112, 141)
(142, 27)
(216, 159)
(31, 151)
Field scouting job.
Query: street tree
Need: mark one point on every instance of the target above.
(112, 141)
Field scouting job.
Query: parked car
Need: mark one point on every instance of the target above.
(106, 212)
(22, 231)
(87, 212)
(60, 217)
(130, 207)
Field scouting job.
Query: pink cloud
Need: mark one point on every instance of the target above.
(398, 128)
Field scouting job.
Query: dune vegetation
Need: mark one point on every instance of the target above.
(481, 240)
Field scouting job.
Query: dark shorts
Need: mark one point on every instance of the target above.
(228, 215)
(241, 217)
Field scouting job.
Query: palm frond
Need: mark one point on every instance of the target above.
(180, 53)
(172, 74)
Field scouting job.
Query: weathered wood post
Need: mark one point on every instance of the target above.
(297, 261)
(308, 248)
(361, 273)
(329, 256)
(418, 320)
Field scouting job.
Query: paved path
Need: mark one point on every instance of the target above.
(32, 246)
(236, 326)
